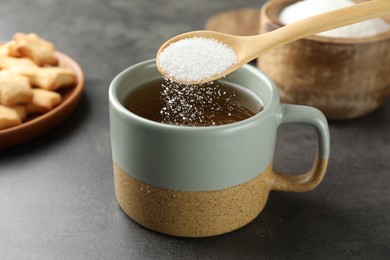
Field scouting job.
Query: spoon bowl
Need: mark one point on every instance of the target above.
(248, 48)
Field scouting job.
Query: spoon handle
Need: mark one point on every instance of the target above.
(319, 23)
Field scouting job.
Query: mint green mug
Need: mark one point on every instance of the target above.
(204, 181)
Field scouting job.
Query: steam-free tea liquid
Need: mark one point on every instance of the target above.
(215, 103)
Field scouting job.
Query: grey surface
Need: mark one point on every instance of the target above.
(57, 195)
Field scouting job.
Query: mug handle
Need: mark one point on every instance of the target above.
(309, 180)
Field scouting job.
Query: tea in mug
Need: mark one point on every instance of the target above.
(210, 104)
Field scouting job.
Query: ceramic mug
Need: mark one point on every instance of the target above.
(204, 181)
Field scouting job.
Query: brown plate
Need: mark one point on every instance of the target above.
(244, 22)
(36, 126)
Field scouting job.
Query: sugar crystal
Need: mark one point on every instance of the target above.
(196, 59)
(307, 8)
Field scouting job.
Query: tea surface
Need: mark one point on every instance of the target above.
(215, 103)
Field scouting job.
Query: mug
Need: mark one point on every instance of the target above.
(204, 181)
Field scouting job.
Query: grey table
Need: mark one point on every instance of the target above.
(57, 194)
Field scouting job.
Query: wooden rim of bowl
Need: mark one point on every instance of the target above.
(272, 9)
(43, 123)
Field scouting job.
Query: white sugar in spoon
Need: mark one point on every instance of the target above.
(248, 48)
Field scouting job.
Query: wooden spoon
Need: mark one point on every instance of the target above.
(248, 48)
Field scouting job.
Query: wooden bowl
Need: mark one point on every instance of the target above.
(343, 77)
(38, 125)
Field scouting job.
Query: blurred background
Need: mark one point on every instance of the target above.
(57, 196)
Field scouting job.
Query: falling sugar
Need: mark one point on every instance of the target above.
(196, 59)
(194, 104)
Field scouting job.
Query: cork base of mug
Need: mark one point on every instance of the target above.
(191, 214)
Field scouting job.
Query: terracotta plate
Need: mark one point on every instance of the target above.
(244, 22)
(36, 126)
